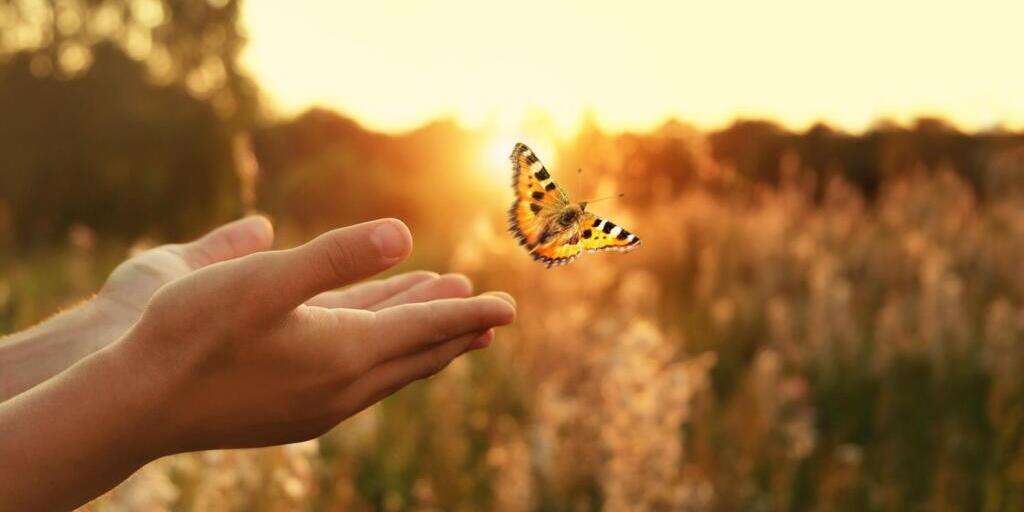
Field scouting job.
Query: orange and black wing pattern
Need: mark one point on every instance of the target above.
(538, 199)
(552, 229)
(590, 234)
(597, 234)
(560, 250)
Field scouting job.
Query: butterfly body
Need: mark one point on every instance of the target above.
(552, 228)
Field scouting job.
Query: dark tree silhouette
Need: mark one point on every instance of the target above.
(119, 115)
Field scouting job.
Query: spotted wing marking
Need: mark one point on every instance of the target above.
(539, 202)
(538, 198)
(565, 248)
(603, 235)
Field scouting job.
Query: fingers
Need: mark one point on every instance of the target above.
(445, 287)
(409, 328)
(482, 341)
(417, 286)
(393, 375)
(331, 260)
(364, 295)
(232, 240)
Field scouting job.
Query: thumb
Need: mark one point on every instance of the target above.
(335, 258)
(230, 241)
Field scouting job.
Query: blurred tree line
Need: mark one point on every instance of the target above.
(119, 115)
(756, 150)
(124, 115)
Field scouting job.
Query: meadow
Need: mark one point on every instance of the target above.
(815, 320)
(800, 343)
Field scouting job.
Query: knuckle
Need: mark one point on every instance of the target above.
(357, 357)
(258, 262)
(251, 274)
(230, 240)
(360, 324)
(341, 259)
(170, 310)
(195, 253)
(187, 303)
(436, 325)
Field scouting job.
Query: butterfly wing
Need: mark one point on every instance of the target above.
(538, 198)
(597, 234)
(539, 202)
(560, 250)
(591, 234)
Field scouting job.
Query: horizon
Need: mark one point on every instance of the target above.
(590, 122)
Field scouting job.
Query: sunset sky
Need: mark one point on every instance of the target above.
(394, 65)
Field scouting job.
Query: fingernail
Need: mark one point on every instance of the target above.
(389, 239)
(265, 226)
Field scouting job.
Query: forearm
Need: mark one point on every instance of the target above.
(75, 436)
(32, 356)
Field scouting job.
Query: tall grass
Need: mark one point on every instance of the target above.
(764, 350)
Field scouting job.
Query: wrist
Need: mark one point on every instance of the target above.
(48, 348)
(148, 382)
(96, 414)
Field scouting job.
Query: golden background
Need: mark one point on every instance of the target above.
(826, 312)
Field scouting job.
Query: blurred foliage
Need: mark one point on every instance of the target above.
(322, 170)
(192, 43)
(756, 149)
(801, 344)
(816, 320)
(118, 115)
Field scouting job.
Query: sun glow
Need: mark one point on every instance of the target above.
(496, 151)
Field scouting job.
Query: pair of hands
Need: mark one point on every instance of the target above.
(223, 343)
(232, 345)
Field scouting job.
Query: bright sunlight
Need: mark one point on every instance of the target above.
(795, 61)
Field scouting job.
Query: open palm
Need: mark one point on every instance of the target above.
(130, 286)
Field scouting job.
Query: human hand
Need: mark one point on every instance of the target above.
(233, 356)
(233, 348)
(131, 285)
(37, 354)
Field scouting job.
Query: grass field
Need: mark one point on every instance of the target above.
(763, 350)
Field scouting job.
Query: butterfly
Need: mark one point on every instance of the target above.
(554, 229)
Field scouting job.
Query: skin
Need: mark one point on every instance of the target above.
(221, 343)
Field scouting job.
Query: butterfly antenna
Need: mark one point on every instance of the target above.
(605, 198)
(579, 174)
